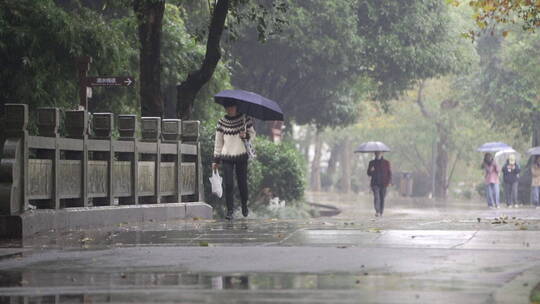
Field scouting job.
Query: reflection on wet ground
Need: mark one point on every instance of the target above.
(140, 287)
(412, 255)
(195, 233)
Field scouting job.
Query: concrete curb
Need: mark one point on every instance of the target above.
(519, 289)
(38, 221)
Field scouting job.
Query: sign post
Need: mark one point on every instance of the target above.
(83, 65)
(113, 81)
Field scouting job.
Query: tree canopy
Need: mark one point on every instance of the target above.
(39, 42)
(314, 68)
(489, 13)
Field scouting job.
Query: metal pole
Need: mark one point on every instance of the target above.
(433, 166)
(83, 65)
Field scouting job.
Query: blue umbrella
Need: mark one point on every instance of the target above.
(493, 147)
(251, 104)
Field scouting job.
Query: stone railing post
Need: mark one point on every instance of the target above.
(127, 127)
(103, 125)
(171, 130)
(190, 134)
(151, 132)
(14, 164)
(48, 121)
(76, 124)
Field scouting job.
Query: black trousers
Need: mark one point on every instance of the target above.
(229, 168)
(379, 193)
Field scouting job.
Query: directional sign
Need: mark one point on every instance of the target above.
(109, 81)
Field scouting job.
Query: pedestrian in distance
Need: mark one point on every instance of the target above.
(511, 172)
(535, 183)
(230, 153)
(381, 176)
(491, 177)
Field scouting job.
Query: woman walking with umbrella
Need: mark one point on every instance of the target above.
(379, 171)
(232, 147)
(491, 171)
(535, 182)
(511, 172)
(491, 177)
(231, 153)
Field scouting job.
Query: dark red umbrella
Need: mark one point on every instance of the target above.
(251, 104)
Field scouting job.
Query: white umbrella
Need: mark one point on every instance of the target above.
(493, 147)
(534, 151)
(372, 146)
(502, 156)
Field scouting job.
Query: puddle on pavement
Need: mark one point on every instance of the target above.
(64, 287)
(87, 287)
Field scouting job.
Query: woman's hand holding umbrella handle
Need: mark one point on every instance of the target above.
(215, 166)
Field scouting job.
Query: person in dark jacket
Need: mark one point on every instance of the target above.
(381, 176)
(511, 172)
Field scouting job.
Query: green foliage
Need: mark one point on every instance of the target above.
(505, 88)
(333, 54)
(39, 44)
(281, 169)
(278, 167)
(182, 53)
(490, 13)
(307, 66)
(406, 41)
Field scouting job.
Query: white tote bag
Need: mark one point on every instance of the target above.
(215, 181)
(247, 144)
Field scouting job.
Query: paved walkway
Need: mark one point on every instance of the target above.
(419, 252)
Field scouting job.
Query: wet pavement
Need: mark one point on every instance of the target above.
(419, 252)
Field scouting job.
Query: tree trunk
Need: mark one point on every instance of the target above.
(441, 162)
(316, 164)
(346, 166)
(332, 164)
(536, 129)
(525, 177)
(188, 90)
(149, 20)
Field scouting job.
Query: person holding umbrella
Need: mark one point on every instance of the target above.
(379, 171)
(232, 146)
(381, 176)
(535, 183)
(231, 153)
(491, 177)
(511, 172)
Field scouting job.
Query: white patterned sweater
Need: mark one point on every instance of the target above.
(228, 144)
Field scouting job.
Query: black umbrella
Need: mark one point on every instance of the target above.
(372, 146)
(251, 104)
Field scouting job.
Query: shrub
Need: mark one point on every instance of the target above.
(282, 170)
(278, 170)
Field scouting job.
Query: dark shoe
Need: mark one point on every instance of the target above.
(229, 216)
(245, 211)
